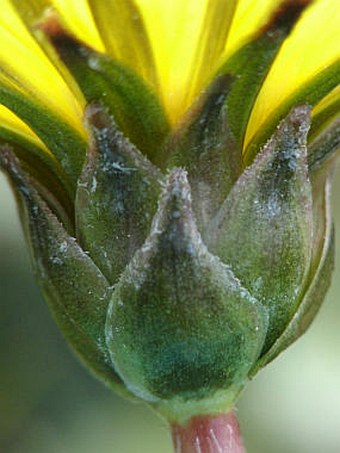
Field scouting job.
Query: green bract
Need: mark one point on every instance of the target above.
(175, 265)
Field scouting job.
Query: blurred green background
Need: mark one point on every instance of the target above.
(50, 404)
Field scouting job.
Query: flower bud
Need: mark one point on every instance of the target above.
(172, 291)
(181, 329)
(178, 259)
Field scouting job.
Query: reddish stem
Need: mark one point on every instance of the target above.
(218, 433)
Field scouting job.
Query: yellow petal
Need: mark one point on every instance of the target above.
(32, 12)
(210, 45)
(78, 18)
(173, 27)
(10, 121)
(188, 39)
(249, 16)
(122, 29)
(24, 63)
(312, 46)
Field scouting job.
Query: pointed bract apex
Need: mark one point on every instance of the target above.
(286, 15)
(107, 139)
(52, 26)
(204, 145)
(209, 104)
(299, 118)
(175, 219)
(290, 143)
(50, 23)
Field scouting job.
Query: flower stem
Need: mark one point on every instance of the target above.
(219, 433)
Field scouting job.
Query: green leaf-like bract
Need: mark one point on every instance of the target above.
(116, 197)
(135, 107)
(264, 229)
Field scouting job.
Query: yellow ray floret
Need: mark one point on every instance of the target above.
(249, 16)
(11, 122)
(79, 19)
(181, 45)
(24, 64)
(190, 39)
(174, 28)
(313, 46)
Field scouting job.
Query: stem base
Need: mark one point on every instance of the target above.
(219, 433)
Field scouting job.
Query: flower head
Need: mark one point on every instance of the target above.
(181, 233)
